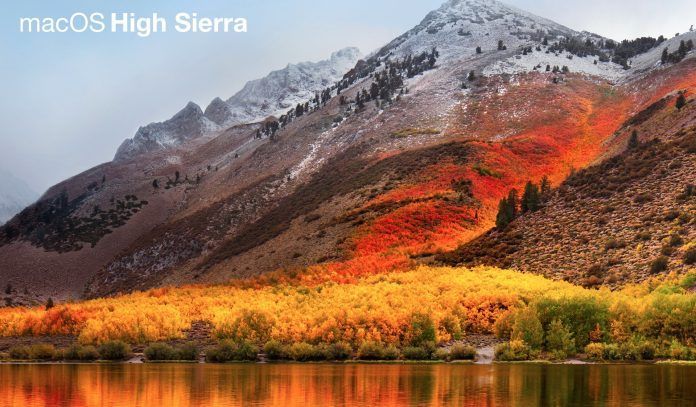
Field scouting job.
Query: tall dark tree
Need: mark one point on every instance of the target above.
(545, 189)
(503, 218)
(633, 142)
(665, 56)
(478, 50)
(530, 198)
(155, 183)
(49, 303)
(514, 203)
(681, 101)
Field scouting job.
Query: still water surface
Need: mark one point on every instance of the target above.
(307, 385)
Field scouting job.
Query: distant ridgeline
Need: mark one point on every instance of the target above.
(386, 83)
(59, 224)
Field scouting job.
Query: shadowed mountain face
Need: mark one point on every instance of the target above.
(348, 168)
(15, 194)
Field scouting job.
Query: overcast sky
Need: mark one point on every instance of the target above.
(68, 100)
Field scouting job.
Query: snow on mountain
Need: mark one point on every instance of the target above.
(538, 61)
(15, 195)
(652, 58)
(188, 124)
(459, 26)
(281, 90)
(270, 96)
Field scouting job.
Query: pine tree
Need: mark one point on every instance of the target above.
(478, 50)
(471, 76)
(501, 46)
(665, 56)
(545, 189)
(49, 303)
(155, 183)
(633, 142)
(8, 289)
(530, 198)
(681, 101)
(514, 204)
(503, 218)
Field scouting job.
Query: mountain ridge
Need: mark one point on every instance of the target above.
(404, 157)
(270, 96)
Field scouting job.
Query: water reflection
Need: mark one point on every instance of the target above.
(344, 385)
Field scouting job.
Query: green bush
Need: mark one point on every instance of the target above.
(114, 350)
(515, 350)
(160, 351)
(390, 353)
(229, 350)
(559, 340)
(580, 315)
(677, 351)
(87, 353)
(416, 353)
(462, 352)
(19, 352)
(442, 354)
(42, 351)
(305, 352)
(340, 351)
(611, 352)
(78, 352)
(372, 350)
(595, 351)
(422, 330)
(187, 351)
(528, 328)
(275, 350)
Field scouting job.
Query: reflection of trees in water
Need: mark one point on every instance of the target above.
(346, 384)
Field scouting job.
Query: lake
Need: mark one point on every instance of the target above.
(306, 385)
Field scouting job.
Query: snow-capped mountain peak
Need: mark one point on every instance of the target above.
(259, 99)
(459, 26)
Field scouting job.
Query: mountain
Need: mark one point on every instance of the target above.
(283, 89)
(270, 96)
(401, 160)
(189, 123)
(15, 195)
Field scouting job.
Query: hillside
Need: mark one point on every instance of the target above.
(402, 157)
(626, 219)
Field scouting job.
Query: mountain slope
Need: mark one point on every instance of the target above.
(15, 195)
(270, 96)
(402, 158)
(633, 216)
